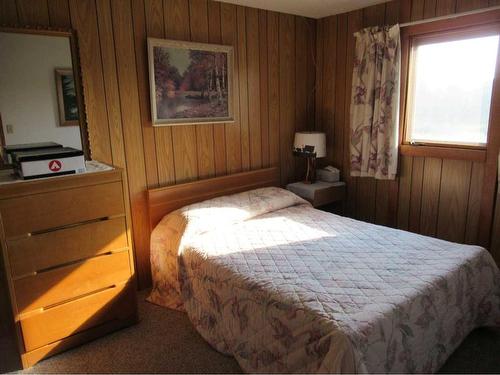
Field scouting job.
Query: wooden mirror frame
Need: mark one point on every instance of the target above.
(71, 35)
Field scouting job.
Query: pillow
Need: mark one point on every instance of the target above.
(231, 209)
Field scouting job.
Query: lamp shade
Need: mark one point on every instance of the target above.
(310, 143)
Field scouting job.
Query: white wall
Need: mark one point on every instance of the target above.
(28, 96)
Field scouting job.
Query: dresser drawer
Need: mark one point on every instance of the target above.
(79, 315)
(41, 212)
(39, 252)
(64, 283)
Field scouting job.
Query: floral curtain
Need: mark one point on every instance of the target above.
(375, 103)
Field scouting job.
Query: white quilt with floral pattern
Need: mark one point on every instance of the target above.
(284, 287)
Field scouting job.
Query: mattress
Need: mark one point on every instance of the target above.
(284, 287)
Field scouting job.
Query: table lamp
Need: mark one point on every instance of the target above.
(310, 145)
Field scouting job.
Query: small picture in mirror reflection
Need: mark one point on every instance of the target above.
(66, 94)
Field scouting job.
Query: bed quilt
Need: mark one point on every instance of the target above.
(284, 287)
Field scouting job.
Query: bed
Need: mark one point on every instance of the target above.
(284, 287)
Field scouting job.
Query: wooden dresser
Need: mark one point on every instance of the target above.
(68, 262)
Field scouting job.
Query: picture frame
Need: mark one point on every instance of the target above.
(190, 83)
(67, 101)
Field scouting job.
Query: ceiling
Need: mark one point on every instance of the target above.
(307, 8)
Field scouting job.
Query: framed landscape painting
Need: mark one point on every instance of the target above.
(191, 83)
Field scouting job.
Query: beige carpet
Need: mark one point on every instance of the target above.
(164, 342)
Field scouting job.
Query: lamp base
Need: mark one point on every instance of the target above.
(311, 171)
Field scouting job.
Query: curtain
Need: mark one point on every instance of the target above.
(375, 103)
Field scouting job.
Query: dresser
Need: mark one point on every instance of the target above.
(68, 261)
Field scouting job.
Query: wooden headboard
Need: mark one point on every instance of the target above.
(162, 201)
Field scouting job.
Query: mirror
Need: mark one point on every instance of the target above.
(40, 89)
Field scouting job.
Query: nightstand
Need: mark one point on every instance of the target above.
(320, 193)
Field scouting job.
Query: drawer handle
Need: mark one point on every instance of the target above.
(71, 263)
(43, 231)
(45, 308)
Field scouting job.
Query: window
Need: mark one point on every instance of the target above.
(449, 89)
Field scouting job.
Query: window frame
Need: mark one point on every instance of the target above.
(463, 27)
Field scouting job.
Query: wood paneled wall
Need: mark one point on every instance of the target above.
(274, 84)
(436, 197)
(292, 73)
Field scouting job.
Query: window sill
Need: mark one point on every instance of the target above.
(477, 155)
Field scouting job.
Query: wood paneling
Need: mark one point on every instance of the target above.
(8, 12)
(198, 20)
(340, 88)
(59, 13)
(233, 131)
(215, 36)
(303, 91)
(287, 94)
(444, 7)
(263, 87)
(417, 177)
(107, 47)
(327, 114)
(147, 19)
(405, 174)
(452, 214)
(273, 63)
(354, 23)
(431, 187)
(474, 206)
(33, 12)
(177, 26)
(253, 79)
(436, 196)
(495, 240)
(84, 21)
(243, 87)
(273, 95)
(320, 51)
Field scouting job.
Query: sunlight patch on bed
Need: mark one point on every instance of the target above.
(251, 236)
(218, 215)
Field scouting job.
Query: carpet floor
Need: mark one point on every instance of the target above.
(164, 341)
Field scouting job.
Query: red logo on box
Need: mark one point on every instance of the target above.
(55, 165)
